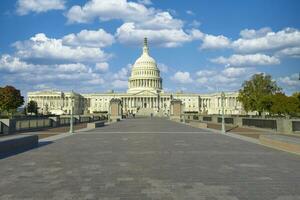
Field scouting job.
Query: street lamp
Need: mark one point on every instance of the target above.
(72, 96)
(222, 104)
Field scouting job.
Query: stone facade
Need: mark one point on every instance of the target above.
(144, 96)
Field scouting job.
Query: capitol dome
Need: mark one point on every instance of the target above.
(144, 74)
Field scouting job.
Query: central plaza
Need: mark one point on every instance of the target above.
(150, 158)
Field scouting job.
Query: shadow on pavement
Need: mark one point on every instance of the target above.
(22, 150)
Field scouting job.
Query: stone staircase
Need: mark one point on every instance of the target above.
(146, 112)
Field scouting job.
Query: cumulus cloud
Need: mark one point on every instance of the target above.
(108, 10)
(229, 78)
(120, 84)
(163, 67)
(247, 60)
(289, 52)
(138, 20)
(13, 64)
(251, 33)
(89, 38)
(182, 77)
(102, 67)
(72, 67)
(189, 12)
(265, 40)
(122, 74)
(215, 42)
(43, 48)
(28, 76)
(145, 2)
(291, 81)
(26, 6)
(130, 34)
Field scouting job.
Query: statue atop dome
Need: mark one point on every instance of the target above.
(145, 48)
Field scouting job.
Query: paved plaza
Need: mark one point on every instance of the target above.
(150, 159)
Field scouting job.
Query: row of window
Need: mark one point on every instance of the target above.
(142, 72)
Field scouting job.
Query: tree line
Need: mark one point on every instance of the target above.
(11, 99)
(262, 94)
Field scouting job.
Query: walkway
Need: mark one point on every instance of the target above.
(141, 159)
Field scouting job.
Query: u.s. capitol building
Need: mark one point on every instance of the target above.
(145, 95)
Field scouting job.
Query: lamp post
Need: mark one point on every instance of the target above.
(222, 104)
(72, 96)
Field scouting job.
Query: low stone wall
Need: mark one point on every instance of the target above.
(281, 125)
(95, 124)
(8, 126)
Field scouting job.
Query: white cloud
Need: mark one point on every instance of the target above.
(290, 81)
(145, 2)
(189, 12)
(195, 24)
(73, 67)
(291, 52)
(257, 42)
(13, 64)
(39, 76)
(130, 34)
(235, 72)
(26, 6)
(215, 42)
(203, 73)
(247, 60)
(108, 10)
(227, 79)
(251, 33)
(103, 67)
(161, 20)
(89, 38)
(120, 84)
(138, 21)
(123, 73)
(44, 48)
(182, 77)
(143, 17)
(163, 68)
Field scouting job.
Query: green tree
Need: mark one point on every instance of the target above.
(32, 107)
(10, 99)
(285, 105)
(256, 92)
(278, 104)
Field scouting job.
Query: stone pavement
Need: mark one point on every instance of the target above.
(150, 159)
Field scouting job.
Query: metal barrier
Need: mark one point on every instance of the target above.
(260, 123)
(227, 120)
(207, 119)
(64, 121)
(296, 126)
(24, 124)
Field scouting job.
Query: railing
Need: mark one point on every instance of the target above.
(260, 123)
(227, 120)
(207, 119)
(31, 123)
(296, 126)
(24, 124)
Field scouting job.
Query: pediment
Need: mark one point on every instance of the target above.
(145, 93)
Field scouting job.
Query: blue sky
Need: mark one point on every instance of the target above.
(200, 46)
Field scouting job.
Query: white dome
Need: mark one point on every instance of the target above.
(145, 59)
(145, 75)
